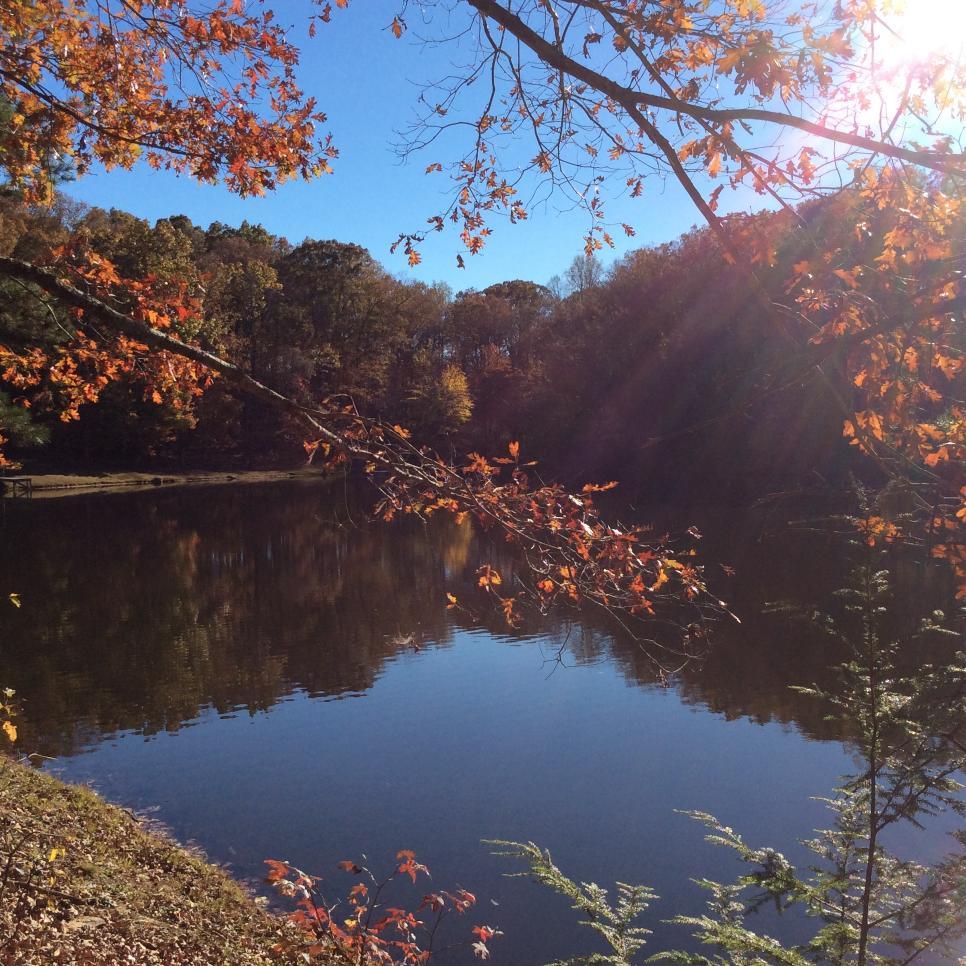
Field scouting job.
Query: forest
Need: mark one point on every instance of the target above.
(676, 534)
(666, 340)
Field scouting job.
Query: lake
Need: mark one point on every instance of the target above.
(270, 677)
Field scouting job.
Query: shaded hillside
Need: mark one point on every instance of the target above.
(662, 372)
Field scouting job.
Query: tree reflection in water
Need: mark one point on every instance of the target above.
(142, 610)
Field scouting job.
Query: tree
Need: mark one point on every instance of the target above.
(617, 91)
(609, 92)
(208, 92)
(336, 307)
(868, 905)
(439, 402)
(584, 272)
(614, 94)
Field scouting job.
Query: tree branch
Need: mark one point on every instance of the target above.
(155, 338)
(555, 57)
(616, 569)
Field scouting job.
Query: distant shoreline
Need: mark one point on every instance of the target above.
(47, 485)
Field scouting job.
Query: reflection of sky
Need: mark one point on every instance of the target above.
(475, 741)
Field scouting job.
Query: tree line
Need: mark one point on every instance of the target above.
(642, 371)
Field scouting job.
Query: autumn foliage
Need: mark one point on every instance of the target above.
(611, 95)
(208, 92)
(76, 372)
(364, 927)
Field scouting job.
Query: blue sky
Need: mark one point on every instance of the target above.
(367, 83)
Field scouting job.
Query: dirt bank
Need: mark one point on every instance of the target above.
(82, 881)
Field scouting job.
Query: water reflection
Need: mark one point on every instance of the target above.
(141, 610)
(182, 615)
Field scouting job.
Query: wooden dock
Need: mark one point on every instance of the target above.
(16, 485)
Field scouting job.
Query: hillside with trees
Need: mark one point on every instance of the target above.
(628, 372)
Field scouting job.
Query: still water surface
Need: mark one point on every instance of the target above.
(234, 660)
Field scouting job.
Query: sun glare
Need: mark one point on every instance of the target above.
(922, 29)
(918, 49)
